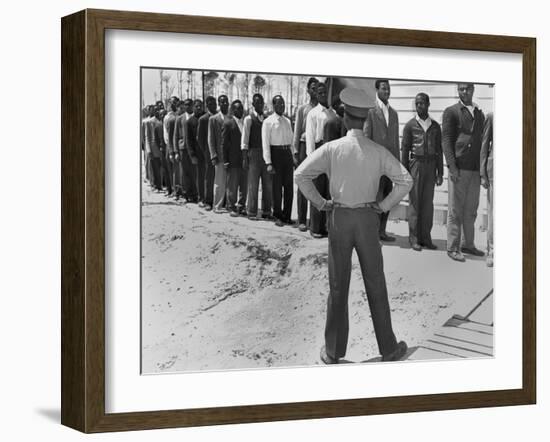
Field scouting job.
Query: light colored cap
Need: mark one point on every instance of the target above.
(356, 102)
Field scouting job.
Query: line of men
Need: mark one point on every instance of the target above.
(218, 159)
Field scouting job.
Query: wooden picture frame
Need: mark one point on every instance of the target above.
(83, 220)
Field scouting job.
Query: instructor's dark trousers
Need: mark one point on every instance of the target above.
(420, 212)
(356, 229)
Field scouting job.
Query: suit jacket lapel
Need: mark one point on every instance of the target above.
(380, 114)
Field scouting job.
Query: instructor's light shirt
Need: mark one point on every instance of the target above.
(354, 165)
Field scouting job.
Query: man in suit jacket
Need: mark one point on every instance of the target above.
(382, 127)
(202, 139)
(169, 123)
(195, 152)
(187, 172)
(215, 126)
(486, 172)
(233, 160)
(462, 131)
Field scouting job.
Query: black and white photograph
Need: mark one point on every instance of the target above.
(296, 220)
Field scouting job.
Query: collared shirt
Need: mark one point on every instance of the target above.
(168, 124)
(276, 131)
(471, 107)
(246, 128)
(385, 109)
(354, 165)
(300, 125)
(425, 124)
(315, 126)
(239, 122)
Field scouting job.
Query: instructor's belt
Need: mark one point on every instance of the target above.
(355, 206)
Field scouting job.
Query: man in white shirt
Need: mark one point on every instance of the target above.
(354, 165)
(276, 142)
(299, 146)
(315, 130)
(253, 161)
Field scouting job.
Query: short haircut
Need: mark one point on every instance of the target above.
(466, 83)
(210, 99)
(197, 101)
(423, 94)
(222, 96)
(159, 102)
(173, 102)
(378, 82)
(235, 103)
(188, 101)
(181, 103)
(256, 96)
(321, 84)
(276, 97)
(311, 81)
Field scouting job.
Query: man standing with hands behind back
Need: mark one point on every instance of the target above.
(354, 165)
(382, 127)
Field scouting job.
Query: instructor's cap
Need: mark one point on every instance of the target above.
(356, 102)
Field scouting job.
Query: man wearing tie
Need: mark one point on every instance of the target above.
(382, 127)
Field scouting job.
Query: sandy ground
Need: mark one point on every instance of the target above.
(224, 293)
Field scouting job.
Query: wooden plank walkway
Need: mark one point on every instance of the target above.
(460, 337)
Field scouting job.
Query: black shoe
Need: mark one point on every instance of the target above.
(429, 245)
(234, 213)
(268, 217)
(387, 238)
(252, 217)
(279, 223)
(397, 354)
(415, 246)
(325, 358)
(472, 251)
(315, 235)
(207, 207)
(455, 255)
(302, 228)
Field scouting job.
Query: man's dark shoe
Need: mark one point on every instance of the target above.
(328, 360)
(288, 222)
(472, 251)
(302, 228)
(455, 255)
(234, 214)
(397, 354)
(315, 235)
(387, 238)
(201, 204)
(429, 245)
(252, 218)
(268, 217)
(207, 207)
(415, 246)
(279, 223)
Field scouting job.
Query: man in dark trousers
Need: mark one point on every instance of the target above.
(215, 125)
(168, 134)
(299, 146)
(185, 109)
(355, 164)
(253, 162)
(159, 136)
(202, 139)
(382, 127)
(462, 132)
(233, 160)
(315, 131)
(277, 151)
(195, 152)
(487, 180)
(422, 156)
